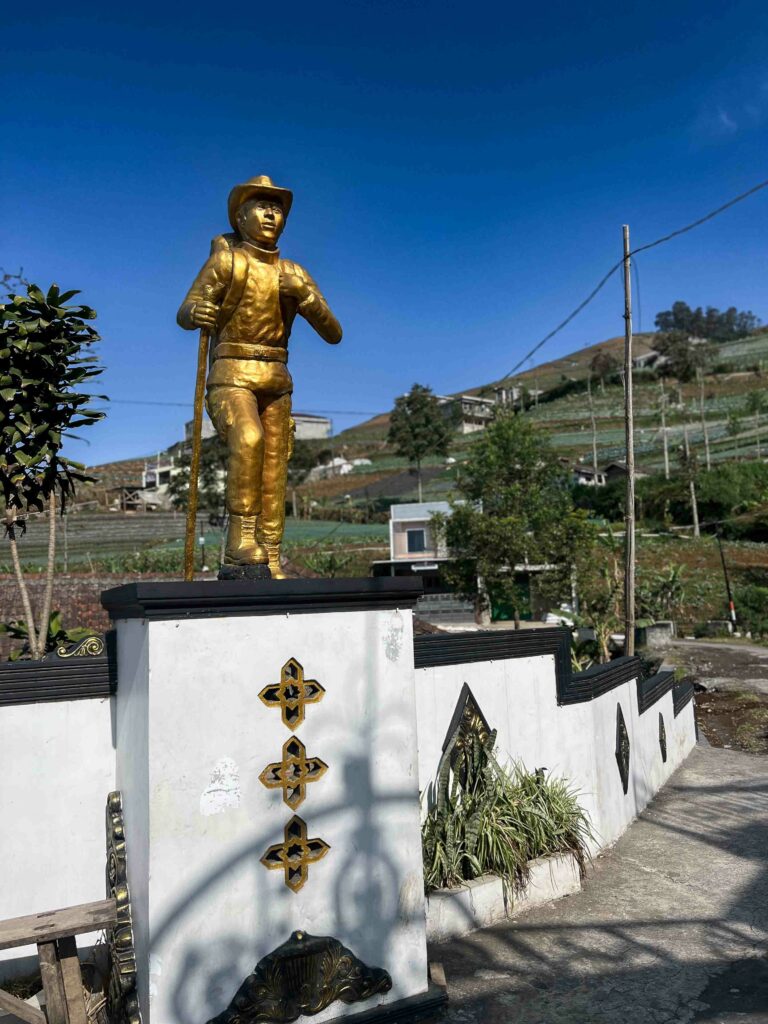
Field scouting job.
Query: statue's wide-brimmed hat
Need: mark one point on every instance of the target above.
(254, 189)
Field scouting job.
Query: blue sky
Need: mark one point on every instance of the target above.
(461, 175)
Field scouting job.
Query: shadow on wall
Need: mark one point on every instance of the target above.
(372, 896)
(367, 901)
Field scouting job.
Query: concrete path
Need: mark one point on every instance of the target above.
(671, 926)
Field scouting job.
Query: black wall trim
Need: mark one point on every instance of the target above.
(258, 597)
(653, 688)
(54, 678)
(600, 679)
(682, 693)
(572, 688)
(27, 682)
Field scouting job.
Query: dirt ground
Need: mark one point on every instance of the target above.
(732, 697)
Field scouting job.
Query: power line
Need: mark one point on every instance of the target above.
(642, 248)
(188, 405)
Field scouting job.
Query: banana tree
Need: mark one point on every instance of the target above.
(45, 354)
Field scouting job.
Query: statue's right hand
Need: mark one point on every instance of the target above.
(205, 314)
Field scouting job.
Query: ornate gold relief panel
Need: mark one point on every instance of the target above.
(122, 997)
(303, 976)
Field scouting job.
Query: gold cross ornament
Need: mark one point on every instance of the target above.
(292, 693)
(295, 853)
(294, 772)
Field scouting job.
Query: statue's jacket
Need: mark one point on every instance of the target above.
(249, 346)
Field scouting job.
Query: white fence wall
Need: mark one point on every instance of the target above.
(57, 759)
(518, 697)
(57, 765)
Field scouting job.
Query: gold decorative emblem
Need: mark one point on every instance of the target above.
(292, 693)
(122, 997)
(294, 772)
(295, 854)
(303, 976)
(91, 646)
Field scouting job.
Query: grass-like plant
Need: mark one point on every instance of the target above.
(490, 820)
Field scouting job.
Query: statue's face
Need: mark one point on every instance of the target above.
(261, 221)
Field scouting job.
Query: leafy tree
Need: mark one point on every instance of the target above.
(734, 426)
(709, 323)
(418, 427)
(516, 508)
(755, 406)
(684, 358)
(603, 365)
(213, 465)
(599, 577)
(45, 353)
(661, 594)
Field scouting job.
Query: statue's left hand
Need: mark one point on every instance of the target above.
(291, 285)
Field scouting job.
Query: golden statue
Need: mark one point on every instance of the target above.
(247, 297)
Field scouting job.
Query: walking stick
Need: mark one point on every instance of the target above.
(194, 468)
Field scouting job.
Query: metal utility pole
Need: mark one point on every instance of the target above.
(731, 606)
(664, 429)
(700, 377)
(594, 429)
(692, 484)
(629, 424)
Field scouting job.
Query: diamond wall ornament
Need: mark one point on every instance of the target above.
(292, 694)
(293, 772)
(622, 748)
(295, 854)
(662, 738)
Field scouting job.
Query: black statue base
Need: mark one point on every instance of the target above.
(244, 572)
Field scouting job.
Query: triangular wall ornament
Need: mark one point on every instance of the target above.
(468, 725)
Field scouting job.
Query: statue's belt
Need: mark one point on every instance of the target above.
(264, 353)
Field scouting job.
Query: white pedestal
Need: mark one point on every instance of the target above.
(194, 742)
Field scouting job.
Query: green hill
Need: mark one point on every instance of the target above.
(562, 410)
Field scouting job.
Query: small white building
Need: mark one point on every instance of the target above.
(308, 427)
(587, 476)
(411, 537)
(337, 466)
(472, 413)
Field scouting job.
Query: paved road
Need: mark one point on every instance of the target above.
(671, 926)
(726, 666)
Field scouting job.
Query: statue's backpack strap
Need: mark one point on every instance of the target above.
(237, 281)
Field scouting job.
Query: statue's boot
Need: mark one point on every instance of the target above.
(242, 547)
(274, 563)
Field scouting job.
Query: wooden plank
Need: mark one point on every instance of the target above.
(72, 979)
(53, 986)
(55, 924)
(20, 1009)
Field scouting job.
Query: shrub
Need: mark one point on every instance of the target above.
(752, 608)
(487, 820)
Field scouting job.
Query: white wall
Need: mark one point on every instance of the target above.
(57, 760)
(519, 698)
(57, 765)
(193, 738)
